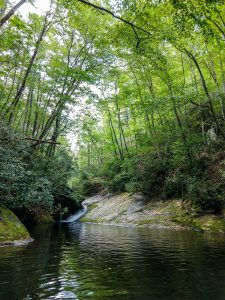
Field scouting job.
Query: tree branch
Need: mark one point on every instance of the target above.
(138, 39)
(38, 141)
(200, 105)
(99, 8)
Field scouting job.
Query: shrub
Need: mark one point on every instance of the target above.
(20, 185)
(28, 178)
(205, 194)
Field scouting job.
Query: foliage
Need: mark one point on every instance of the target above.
(205, 194)
(19, 184)
(29, 180)
(144, 101)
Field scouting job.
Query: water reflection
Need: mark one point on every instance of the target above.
(86, 261)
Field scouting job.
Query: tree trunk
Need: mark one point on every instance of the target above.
(211, 107)
(28, 70)
(11, 12)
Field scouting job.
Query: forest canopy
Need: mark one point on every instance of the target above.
(139, 88)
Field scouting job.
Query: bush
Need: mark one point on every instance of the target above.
(86, 183)
(29, 179)
(20, 185)
(135, 173)
(148, 175)
(205, 194)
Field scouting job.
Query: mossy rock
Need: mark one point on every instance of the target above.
(211, 223)
(11, 229)
(92, 207)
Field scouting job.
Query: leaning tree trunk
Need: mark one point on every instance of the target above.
(11, 12)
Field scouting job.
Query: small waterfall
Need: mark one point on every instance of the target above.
(80, 213)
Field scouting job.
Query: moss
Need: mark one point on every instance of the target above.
(11, 228)
(186, 221)
(181, 217)
(161, 220)
(98, 220)
(205, 223)
(211, 223)
(92, 207)
(85, 219)
(145, 222)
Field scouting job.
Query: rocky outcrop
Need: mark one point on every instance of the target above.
(12, 231)
(136, 210)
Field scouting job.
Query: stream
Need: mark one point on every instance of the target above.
(90, 261)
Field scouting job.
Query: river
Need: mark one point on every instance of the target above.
(87, 261)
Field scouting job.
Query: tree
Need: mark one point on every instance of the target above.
(11, 12)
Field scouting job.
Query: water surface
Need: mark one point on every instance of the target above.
(87, 261)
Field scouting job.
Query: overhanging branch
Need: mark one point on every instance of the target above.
(99, 8)
(37, 141)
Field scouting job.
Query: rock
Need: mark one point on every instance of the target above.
(139, 196)
(134, 209)
(12, 231)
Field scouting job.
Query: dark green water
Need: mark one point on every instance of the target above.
(86, 261)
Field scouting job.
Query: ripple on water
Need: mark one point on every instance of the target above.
(87, 261)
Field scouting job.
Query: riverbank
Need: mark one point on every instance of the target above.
(12, 231)
(136, 210)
